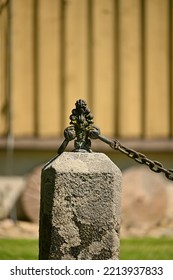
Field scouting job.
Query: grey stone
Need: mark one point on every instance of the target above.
(80, 208)
(168, 218)
(29, 202)
(144, 201)
(10, 191)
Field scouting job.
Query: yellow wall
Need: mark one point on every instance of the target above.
(115, 54)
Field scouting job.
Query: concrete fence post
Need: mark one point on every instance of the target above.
(80, 208)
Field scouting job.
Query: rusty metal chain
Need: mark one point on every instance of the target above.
(82, 129)
(140, 158)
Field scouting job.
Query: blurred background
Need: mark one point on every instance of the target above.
(115, 54)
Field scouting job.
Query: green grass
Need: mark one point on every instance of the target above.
(147, 249)
(131, 249)
(17, 249)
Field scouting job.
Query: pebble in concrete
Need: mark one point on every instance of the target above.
(80, 208)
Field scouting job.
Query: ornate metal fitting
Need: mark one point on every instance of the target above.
(81, 129)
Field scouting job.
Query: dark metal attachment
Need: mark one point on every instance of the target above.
(82, 130)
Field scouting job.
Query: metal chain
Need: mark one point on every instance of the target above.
(140, 158)
(81, 130)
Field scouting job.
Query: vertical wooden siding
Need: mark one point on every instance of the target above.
(130, 95)
(157, 95)
(104, 77)
(115, 54)
(3, 67)
(47, 73)
(22, 65)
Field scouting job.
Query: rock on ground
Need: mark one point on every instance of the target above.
(147, 203)
(18, 229)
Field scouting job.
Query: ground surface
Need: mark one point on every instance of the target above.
(19, 229)
(22, 229)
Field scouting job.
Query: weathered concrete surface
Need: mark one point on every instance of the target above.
(80, 208)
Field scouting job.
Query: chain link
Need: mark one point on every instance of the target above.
(82, 130)
(140, 158)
